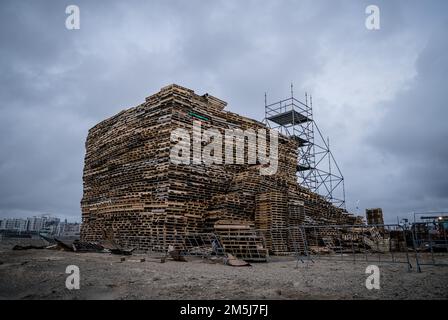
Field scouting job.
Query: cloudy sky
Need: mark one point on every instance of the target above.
(378, 94)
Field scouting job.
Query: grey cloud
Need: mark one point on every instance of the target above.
(55, 84)
(414, 134)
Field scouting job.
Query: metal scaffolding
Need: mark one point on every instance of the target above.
(317, 168)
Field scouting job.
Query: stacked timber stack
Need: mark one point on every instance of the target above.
(271, 218)
(130, 184)
(133, 188)
(296, 219)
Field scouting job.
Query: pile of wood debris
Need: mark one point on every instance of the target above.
(134, 191)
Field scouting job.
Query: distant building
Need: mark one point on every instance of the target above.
(68, 229)
(14, 224)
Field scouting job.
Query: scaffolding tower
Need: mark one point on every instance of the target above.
(317, 169)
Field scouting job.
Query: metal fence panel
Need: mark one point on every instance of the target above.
(430, 242)
(355, 243)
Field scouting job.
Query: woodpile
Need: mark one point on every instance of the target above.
(146, 201)
(240, 238)
(374, 216)
(271, 218)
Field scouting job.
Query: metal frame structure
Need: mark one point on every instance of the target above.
(376, 245)
(317, 168)
(430, 239)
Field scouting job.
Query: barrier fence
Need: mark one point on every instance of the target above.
(413, 247)
(356, 243)
(430, 243)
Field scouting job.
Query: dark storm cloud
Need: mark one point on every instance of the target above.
(413, 133)
(55, 84)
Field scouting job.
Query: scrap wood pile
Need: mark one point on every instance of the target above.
(147, 201)
(353, 240)
(76, 245)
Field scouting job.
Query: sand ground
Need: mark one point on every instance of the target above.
(40, 274)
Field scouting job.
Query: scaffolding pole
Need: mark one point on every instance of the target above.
(317, 168)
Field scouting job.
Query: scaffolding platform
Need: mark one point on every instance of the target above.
(301, 167)
(289, 117)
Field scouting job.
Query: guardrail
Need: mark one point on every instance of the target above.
(430, 242)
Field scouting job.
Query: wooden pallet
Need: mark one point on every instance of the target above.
(133, 189)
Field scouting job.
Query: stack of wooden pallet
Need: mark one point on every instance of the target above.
(271, 217)
(240, 238)
(133, 189)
